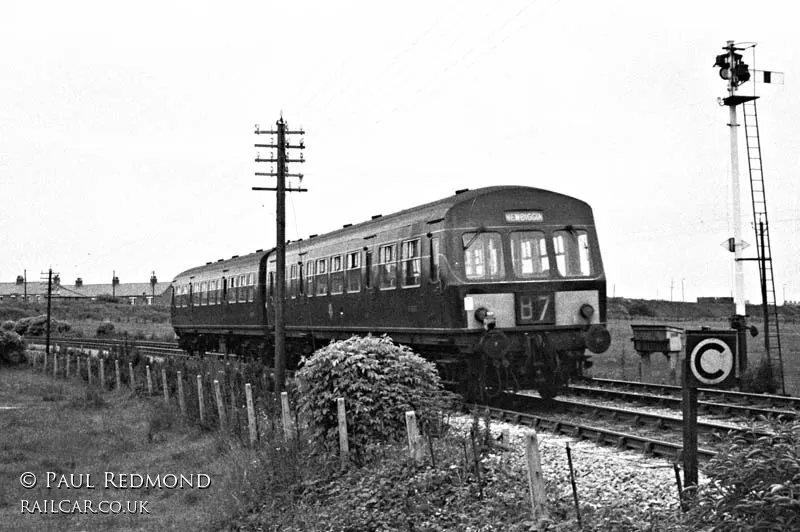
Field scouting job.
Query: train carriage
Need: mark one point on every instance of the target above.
(500, 286)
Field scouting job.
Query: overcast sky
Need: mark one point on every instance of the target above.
(126, 129)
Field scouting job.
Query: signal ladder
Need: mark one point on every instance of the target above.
(772, 337)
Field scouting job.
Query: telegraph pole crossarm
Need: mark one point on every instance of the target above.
(280, 221)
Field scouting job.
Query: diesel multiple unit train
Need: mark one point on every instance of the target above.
(502, 287)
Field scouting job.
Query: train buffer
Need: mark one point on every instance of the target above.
(666, 339)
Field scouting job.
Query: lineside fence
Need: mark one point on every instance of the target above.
(238, 399)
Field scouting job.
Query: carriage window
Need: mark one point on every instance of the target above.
(483, 256)
(529, 254)
(242, 284)
(572, 253)
(251, 286)
(434, 259)
(212, 293)
(321, 278)
(353, 266)
(387, 269)
(232, 289)
(410, 263)
(368, 269)
(293, 280)
(337, 275)
(310, 278)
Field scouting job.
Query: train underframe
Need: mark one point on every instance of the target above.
(478, 364)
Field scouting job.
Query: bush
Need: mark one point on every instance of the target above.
(641, 309)
(8, 325)
(37, 326)
(105, 329)
(753, 486)
(379, 381)
(12, 347)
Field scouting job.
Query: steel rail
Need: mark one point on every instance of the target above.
(670, 401)
(783, 401)
(598, 435)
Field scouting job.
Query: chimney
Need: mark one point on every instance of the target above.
(78, 282)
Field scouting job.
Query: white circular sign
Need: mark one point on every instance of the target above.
(711, 361)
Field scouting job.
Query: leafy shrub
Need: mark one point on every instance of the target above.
(379, 381)
(105, 329)
(37, 326)
(12, 347)
(8, 325)
(753, 486)
(641, 308)
(107, 298)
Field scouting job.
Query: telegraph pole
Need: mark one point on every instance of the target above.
(280, 222)
(49, 297)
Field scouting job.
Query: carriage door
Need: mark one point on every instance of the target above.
(434, 295)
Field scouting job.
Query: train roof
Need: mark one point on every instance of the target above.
(435, 211)
(431, 212)
(236, 264)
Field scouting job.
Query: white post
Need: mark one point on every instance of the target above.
(102, 374)
(223, 421)
(344, 446)
(286, 416)
(535, 478)
(164, 385)
(132, 381)
(201, 404)
(414, 438)
(117, 374)
(251, 414)
(149, 381)
(181, 398)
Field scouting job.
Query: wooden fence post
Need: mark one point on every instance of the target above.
(44, 366)
(102, 373)
(55, 365)
(286, 417)
(66, 370)
(78, 366)
(535, 478)
(164, 384)
(344, 446)
(119, 377)
(223, 421)
(181, 398)
(89, 368)
(149, 381)
(251, 414)
(414, 438)
(200, 399)
(132, 379)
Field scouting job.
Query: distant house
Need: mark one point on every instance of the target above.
(132, 293)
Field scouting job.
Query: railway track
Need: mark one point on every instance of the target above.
(144, 347)
(705, 406)
(706, 394)
(669, 450)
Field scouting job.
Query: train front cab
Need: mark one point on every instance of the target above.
(527, 278)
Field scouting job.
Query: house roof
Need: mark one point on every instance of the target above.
(87, 290)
